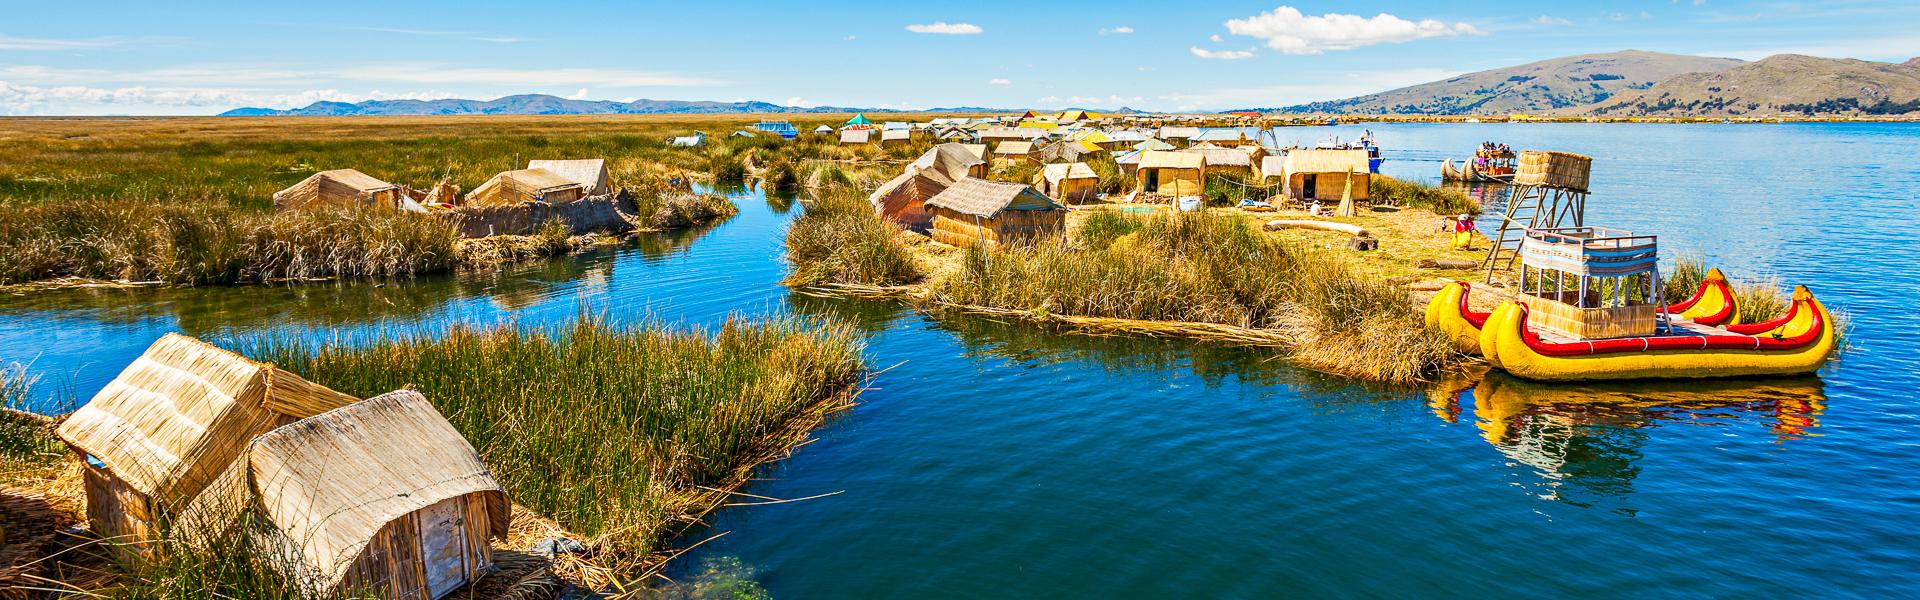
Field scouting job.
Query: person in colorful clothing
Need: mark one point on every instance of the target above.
(1463, 232)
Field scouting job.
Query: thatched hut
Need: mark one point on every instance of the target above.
(855, 137)
(1170, 173)
(1177, 135)
(159, 435)
(903, 199)
(1069, 182)
(1325, 174)
(381, 495)
(1235, 162)
(1013, 153)
(341, 187)
(989, 213)
(588, 172)
(952, 161)
(895, 137)
(526, 185)
(979, 150)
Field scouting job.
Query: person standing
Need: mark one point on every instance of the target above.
(1462, 232)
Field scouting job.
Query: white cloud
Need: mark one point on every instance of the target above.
(1121, 30)
(1220, 54)
(945, 28)
(798, 102)
(1215, 38)
(851, 38)
(580, 95)
(1287, 30)
(999, 81)
(1346, 86)
(1550, 21)
(16, 99)
(21, 43)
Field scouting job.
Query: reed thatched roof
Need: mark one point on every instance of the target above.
(896, 134)
(1316, 160)
(986, 199)
(979, 150)
(1014, 148)
(588, 172)
(1153, 145)
(184, 411)
(1178, 133)
(949, 160)
(1272, 166)
(1224, 157)
(1064, 171)
(335, 187)
(332, 481)
(1161, 159)
(856, 136)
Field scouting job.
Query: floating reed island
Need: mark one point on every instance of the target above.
(501, 461)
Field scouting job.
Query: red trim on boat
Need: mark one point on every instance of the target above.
(1764, 326)
(1675, 342)
(1713, 320)
(1477, 319)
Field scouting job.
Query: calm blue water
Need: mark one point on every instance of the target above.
(994, 460)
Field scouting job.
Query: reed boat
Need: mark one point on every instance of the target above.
(1472, 174)
(1797, 343)
(1450, 313)
(1589, 310)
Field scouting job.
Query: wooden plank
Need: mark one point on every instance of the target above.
(443, 545)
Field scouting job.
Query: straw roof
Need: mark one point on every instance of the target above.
(1223, 157)
(1064, 171)
(1178, 132)
(896, 134)
(979, 150)
(1158, 159)
(1130, 157)
(949, 160)
(329, 483)
(338, 186)
(1326, 161)
(184, 411)
(1272, 166)
(856, 136)
(1024, 133)
(986, 199)
(1019, 148)
(588, 172)
(514, 187)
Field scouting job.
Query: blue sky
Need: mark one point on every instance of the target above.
(206, 57)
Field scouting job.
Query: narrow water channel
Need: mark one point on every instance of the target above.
(994, 460)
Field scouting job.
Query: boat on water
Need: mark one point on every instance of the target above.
(1364, 143)
(1589, 310)
(1492, 163)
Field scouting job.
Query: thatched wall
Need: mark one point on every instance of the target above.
(1022, 227)
(1327, 187)
(598, 213)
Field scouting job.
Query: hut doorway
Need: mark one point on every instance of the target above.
(443, 543)
(1308, 186)
(1152, 181)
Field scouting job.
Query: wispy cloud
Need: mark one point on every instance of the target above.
(1287, 30)
(1220, 54)
(1121, 30)
(8, 42)
(18, 99)
(1353, 84)
(478, 37)
(1111, 101)
(257, 77)
(999, 81)
(945, 28)
(1550, 21)
(500, 39)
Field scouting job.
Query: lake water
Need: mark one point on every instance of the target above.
(994, 460)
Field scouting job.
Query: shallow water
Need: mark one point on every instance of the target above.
(994, 460)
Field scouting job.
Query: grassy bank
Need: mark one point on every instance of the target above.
(1191, 268)
(1399, 192)
(618, 433)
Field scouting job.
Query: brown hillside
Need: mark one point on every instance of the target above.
(1785, 84)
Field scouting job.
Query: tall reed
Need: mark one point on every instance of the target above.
(839, 240)
(1400, 192)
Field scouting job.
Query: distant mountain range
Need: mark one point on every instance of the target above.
(529, 104)
(1534, 87)
(1785, 84)
(1638, 83)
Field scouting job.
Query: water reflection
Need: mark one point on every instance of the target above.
(1584, 440)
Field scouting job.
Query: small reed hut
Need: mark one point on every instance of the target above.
(1013, 153)
(1326, 175)
(382, 495)
(953, 161)
(1235, 162)
(903, 199)
(590, 173)
(856, 137)
(526, 185)
(896, 137)
(1170, 174)
(1069, 182)
(159, 435)
(990, 213)
(341, 187)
